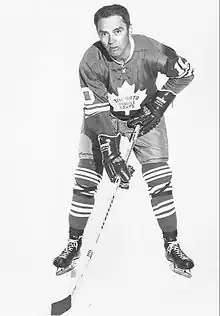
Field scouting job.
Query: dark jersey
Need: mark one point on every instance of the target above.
(109, 86)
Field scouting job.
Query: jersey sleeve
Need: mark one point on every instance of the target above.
(96, 105)
(176, 68)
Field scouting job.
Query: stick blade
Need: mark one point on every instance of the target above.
(60, 307)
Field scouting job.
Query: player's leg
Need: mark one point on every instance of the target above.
(87, 176)
(152, 152)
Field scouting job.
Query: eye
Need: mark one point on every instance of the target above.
(102, 34)
(117, 32)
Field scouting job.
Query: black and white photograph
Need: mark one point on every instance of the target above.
(109, 158)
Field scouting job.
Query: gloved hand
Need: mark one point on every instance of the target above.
(111, 157)
(151, 111)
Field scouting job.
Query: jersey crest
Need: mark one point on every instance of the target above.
(127, 99)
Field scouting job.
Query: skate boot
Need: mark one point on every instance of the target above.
(66, 261)
(180, 263)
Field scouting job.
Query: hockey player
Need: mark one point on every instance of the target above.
(118, 80)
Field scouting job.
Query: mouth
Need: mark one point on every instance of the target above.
(113, 48)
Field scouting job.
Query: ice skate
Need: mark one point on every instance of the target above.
(66, 261)
(180, 263)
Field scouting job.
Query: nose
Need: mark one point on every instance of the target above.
(111, 39)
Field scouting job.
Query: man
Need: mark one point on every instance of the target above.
(118, 80)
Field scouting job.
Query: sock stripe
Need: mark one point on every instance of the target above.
(166, 214)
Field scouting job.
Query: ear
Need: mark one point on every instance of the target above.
(130, 30)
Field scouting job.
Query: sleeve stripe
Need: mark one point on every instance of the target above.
(93, 106)
(186, 72)
(96, 110)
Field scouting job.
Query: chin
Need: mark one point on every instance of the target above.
(115, 55)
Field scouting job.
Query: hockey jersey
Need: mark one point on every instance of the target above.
(119, 88)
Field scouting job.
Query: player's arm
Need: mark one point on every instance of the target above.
(179, 72)
(96, 112)
(96, 105)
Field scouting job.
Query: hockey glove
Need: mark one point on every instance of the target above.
(113, 162)
(151, 111)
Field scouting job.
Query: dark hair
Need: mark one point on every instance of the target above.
(110, 10)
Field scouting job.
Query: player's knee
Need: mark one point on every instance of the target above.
(87, 176)
(158, 177)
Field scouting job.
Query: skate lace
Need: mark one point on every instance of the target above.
(174, 246)
(68, 250)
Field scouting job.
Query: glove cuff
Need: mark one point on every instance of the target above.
(109, 146)
(160, 102)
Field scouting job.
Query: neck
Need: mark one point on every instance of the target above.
(125, 55)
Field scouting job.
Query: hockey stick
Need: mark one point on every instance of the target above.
(60, 307)
(118, 180)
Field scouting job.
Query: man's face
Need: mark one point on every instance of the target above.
(114, 35)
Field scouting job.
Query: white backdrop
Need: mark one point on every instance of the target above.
(42, 43)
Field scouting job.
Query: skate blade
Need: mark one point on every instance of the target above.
(185, 273)
(61, 271)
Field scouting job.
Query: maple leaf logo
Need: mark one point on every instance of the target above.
(127, 99)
